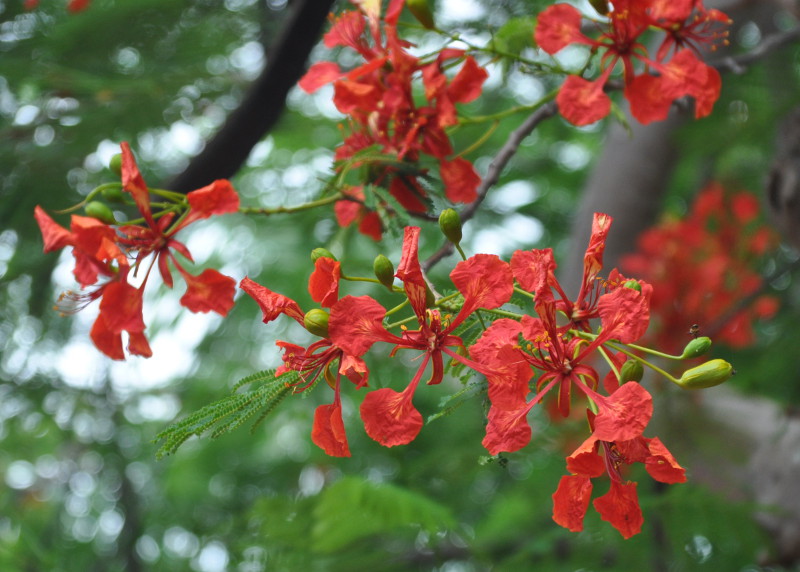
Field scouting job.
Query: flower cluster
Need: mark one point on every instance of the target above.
(522, 357)
(686, 24)
(717, 245)
(384, 117)
(109, 257)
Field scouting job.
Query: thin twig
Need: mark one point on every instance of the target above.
(493, 174)
(738, 64)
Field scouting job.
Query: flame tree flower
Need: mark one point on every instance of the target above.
(484, 280)
(118, 253)
(687, 25)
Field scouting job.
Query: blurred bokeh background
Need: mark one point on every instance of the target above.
(81, 487)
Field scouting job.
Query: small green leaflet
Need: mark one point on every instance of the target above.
(231, 411)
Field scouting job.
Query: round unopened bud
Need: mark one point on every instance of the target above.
(321, 253)
(384, 270)
(422, 12)
(450, 223)
(632, 370)
(707, 374)
(115, 164)
(633, 285)
(696, 347)
(113, 194)
(316, 322)
(100, 211)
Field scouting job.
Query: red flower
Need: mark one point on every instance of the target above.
(99, 262)
(384, 115)
(320, 357)
(620, 505)
(558, 353)
(719, 244)
(485, 282)
(686, 24)
(102, 251)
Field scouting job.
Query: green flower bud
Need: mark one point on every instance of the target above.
(696, 347)
(384, 270)
(113, 194)
(115, 164)
(321, 253)
(633, 285)
(707, 374)
(450, 223)
(632, 370)
(316, 322)
(100, 211)
(422, 12)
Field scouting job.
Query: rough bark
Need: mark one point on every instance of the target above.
(263, 104)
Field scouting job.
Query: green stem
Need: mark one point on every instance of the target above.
(524, 293)
(281, 210)
(642, 361)
(504, 314)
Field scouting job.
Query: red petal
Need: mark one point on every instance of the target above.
(460, 180)
(625, 414)
(620, 507)
(661, 465)
(323, 284)
(346, 212)
(210, 291)
(345, 31)
(355, 369)
(55, 236)
(215, 199)
(468, 82)
(371, 226)
(105, 340)
(77, 5)
(571, 500)
(410, 272)
(133, 182)
(121, 307)
(624, 314)
(351, 96)
(390, 417)
(507, 430)
(319, 74)
(582, 102)
(272, 304)
(328, 431)
(533, 269)
(648, 100)
(557, 27)
(356, 322)
(138, 344)
(585, 461)
(484, 280)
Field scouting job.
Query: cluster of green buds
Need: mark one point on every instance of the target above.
(708, 374)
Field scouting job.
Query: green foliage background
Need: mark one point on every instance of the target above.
(83, 489)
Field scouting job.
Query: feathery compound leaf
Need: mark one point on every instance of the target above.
(229, 412)
(372, 508)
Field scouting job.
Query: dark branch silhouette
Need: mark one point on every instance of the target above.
(263, 104)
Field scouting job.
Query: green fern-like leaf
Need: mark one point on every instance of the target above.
(231, 411)
(371, 509)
